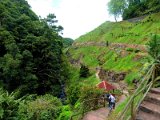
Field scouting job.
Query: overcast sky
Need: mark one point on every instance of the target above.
(76, 16)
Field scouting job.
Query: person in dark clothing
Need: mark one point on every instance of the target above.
(111, 100)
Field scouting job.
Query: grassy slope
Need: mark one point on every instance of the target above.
(120, 32)
(124, 32)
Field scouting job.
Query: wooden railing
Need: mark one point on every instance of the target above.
(98, 102)
(130, 110)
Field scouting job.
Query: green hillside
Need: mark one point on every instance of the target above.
(116, 52)
(117, 46)
(124, 32)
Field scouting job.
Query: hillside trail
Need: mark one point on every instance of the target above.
(101, 113)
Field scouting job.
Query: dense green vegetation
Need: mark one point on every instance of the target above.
(33, 68)
(133, 8)
(31, 107)
(34, 72)
(154, 52)
(124, 31)
(67, 42)
(31, 50)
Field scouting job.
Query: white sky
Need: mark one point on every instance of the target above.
(77, 17)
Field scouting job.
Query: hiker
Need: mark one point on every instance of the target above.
(111, 100)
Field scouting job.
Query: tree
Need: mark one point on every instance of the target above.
(31, 57)
(51, 20)
(136, 8)
(116, 8)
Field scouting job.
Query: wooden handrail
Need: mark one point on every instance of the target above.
(139, 90)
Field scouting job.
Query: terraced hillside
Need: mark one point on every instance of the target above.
(116, 47)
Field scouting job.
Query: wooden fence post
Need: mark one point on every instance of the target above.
(132, 110)
(104, 102)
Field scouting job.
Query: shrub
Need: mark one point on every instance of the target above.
(131, 76)
(154, 47)
(88, 94)
(132, 50)
(84, 71)
(45, 107)
(8, 105)
(129, 49)
(66, 113)
(136, 50)
(73, 93)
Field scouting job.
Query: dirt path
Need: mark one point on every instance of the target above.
(100, 114)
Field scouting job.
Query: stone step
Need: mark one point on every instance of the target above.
(153, 98)
(155, 90)
(150, 108)
(145, 116)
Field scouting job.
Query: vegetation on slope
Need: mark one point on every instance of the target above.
(119, 47)
(124, 31)
(67, 42)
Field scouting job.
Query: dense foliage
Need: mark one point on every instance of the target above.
(32, 107)
(31, 57)
(116, 7)
(154, 51)
(133, 8)
(84, 71)
(154, 48)
(67, 42)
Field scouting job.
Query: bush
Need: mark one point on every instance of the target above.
(132, 50)
(129, 49)
(131, 76)
(8, 105)
(66, 113)
(137, 50)
(154, 47)
(84, 71)
(88, 94)
(45, 107)
(73, 93)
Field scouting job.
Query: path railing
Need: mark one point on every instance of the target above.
(130, 110)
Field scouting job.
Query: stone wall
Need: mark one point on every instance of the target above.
(110, 75)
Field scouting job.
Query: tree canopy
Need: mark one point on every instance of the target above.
(132, 8)
(31, 57)
(67, 42)
(116, 7)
